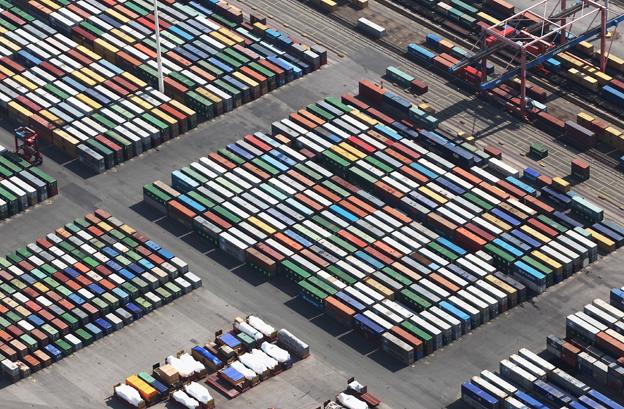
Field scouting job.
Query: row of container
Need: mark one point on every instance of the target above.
(207, 35)
(78, 284)
(592, 350)
(593, 342)
(527, 380)
(271, 206)
(21, 184)
(101, 111)
(238, 359)
(81, 103)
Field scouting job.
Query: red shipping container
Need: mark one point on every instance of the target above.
(380, 116)
(370, 91)
(351, 100)
(468, 240)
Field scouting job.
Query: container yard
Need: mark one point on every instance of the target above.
(411, 217)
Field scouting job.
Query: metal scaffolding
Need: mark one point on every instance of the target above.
(536, 34)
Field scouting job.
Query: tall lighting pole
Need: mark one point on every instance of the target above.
(161, 85)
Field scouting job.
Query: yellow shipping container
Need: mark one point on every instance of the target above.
(584, 119)
(105, 48)
(329, 5)
(88, 52)
(537, 235)
(605, 244)
(376, 285)
(556, 266)
(22, 311)
(245, 79)
(19, 113)
(590, 82)
(340, 151)
(427, 108)
(496, 221)
(165, 117)
(117, 15)
(50, 117)
(92, 74)
(616, 63)
(260, 28)
(261, 225)
(205, 93)
(122, 36)
(181, 107)
(51, 4)
(613, 137)
(351, 149)
(586, 48)
(496, 282)
(66, 142)
(42, 288)
(432, 195)
(89, 101)
(132, 78)
(487, 18)
(561, 184)
(127, 230)
(145, 390)
(360, 116)
(25, 82)
(6, 71)
(231, 35)
(9, 44)
(603, 78)
(105, 226)
(222, 39)
(141, 102)
(83, 78)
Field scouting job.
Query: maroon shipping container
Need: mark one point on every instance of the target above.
(442, 63)
(550, 124)
(493, 151)
(579, 136)
(579, 169)
(419, 87)
(261, 260)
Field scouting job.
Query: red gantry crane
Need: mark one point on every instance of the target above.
(27, 145)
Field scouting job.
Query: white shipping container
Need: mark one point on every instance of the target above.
(371, 28)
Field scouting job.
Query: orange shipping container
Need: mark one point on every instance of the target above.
(339, 311)
(145, 390)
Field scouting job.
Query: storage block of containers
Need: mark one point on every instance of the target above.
(83, 73)
(582, 371)
(395, 231)
(77, 284)
(22, 185)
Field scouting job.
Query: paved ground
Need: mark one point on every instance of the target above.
(86, 379)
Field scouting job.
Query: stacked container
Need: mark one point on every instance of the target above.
(78, 284)
(416, 235)
(591, 351)
(21, 184)
(83, 81)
